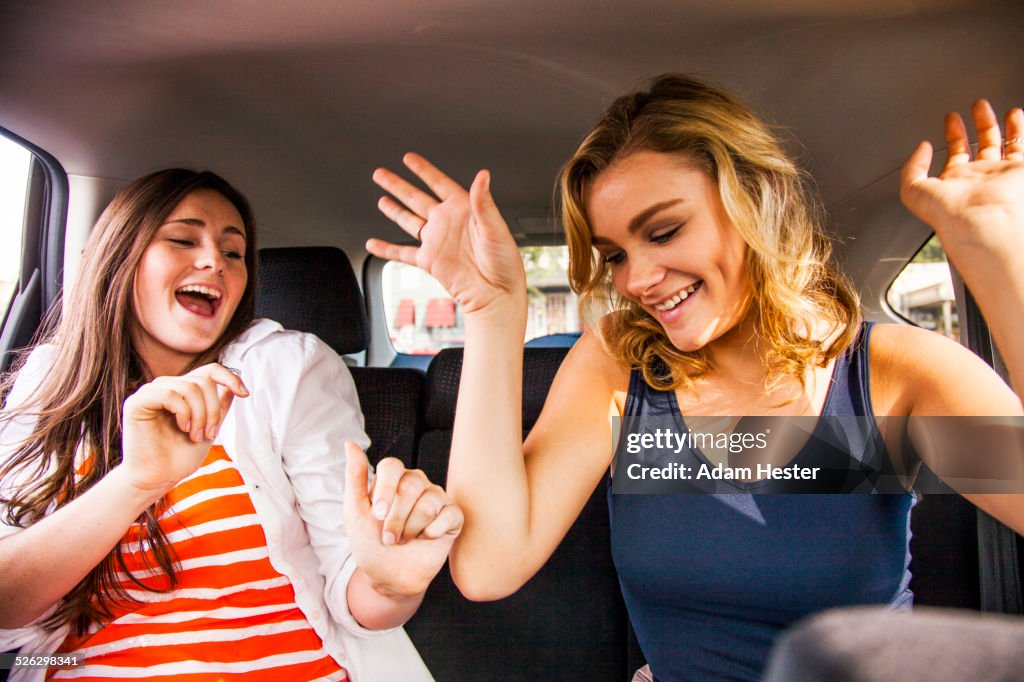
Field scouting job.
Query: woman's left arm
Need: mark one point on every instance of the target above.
(396, 534)
(958, 416)
(976, 207)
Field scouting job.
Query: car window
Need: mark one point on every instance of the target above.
(923, 292)
(422, 319)
(15, 162)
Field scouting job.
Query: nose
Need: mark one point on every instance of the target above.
(210, 257)
(643, 274)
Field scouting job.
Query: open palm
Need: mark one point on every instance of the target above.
(465, 243)
(974, 203)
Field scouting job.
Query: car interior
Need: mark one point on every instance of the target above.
(297, 103)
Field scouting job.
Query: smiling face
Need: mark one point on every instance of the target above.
(189, 282)
(659, 224)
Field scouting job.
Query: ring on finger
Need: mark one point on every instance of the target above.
(1017, 141)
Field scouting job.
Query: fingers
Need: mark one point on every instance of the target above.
(408, 503)
(990, 141)
(481, 201)
(1014, 148)
(225, 385)
(403, 217)
(448, 522)
(223, 376)
(389, 251)
(957, 144)
(357, 471)
(415, 508)
(198, 400)
(412, 198)
(916, 168)
(438, 182)
(394, 495)
(411, 206)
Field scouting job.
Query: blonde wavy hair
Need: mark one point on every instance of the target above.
(793, 283)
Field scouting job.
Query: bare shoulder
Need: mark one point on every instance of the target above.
(917, 371)
(590, 355)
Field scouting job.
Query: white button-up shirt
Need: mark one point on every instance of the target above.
(287, 440)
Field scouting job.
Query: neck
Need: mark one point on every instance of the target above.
(162, 362)
(737, 353)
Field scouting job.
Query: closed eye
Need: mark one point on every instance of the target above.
(665, 237)
(614, 258)
(234, 255)
(181, 242)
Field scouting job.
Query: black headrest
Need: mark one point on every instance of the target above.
(442, 384)
(313, 289)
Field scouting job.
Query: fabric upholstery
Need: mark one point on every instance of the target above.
(568, 621)
(313, 289)
(944, 549)
(390, 399)
(865, 644)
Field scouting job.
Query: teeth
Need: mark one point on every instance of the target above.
(677, 299)
(200, 289)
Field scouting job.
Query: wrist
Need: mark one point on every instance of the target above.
(137, 496)
(507, 311)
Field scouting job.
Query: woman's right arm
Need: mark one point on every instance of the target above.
(518, 500)
(42, 563)
(168, 426)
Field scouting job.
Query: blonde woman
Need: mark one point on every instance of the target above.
(177, 499)
(682, 209)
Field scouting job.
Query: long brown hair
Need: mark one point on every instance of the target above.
(765, 194)
(77, 406)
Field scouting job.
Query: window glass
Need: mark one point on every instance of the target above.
(14, 168)
(923, 292)
(423, 319)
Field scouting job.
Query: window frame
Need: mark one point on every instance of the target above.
(39, 285)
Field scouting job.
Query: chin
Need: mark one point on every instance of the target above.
(195, 345)
(691, 341)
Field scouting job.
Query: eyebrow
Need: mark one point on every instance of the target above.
(640, 219)
(196, 222)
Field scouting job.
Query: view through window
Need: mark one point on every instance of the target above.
(423, 319)
(923, 292)
(14, 168)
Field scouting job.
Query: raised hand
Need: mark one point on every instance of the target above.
(464, 242)
(975, 206)
(402, 530)
(169, 423)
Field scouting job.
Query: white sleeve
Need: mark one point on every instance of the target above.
(13, 432)
(324, 415)
(16, 430)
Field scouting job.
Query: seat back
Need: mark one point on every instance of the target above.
(313, 289)
(568, 621)
(944, 549)
(390, 401)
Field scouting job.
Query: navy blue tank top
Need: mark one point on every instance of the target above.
(710, 579)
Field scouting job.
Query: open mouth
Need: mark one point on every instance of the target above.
(683, 294)
(198, 299)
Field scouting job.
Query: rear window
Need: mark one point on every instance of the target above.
(423, 319)
(923, 292)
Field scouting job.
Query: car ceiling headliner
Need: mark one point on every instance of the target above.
(297, 103)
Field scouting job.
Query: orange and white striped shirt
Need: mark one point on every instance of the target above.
(231, 613)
